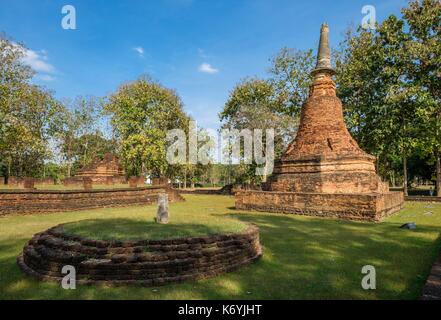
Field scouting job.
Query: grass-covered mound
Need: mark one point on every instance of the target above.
(181, 225)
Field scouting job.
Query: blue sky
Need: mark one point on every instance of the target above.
(200, 48)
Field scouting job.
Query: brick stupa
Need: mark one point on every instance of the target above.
(324, 172)
(101, 169)
(108, 170)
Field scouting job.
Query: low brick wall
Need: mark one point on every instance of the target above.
(423, 198)
(432, 288)
(367, 207)
(200, 191)
(40, 201)
(145, 262)
(14, 181)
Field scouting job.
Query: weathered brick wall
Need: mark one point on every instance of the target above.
(39, 201)
(75, 181)
(15, 181)
(423, 198)
(368, 207)
(146, 262)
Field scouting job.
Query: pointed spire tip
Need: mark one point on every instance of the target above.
(324, 52)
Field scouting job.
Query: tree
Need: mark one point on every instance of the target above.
(28, 114)
(388, 80)
(90, 146)
(424, 50)
(382, 107)
(141, 113)
(272, 103)
(79, 131)
(290, 76)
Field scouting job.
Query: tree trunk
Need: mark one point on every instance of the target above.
(9, 166)
(438, 175)
(392, 178)
(68, 169)
(405, 175)
(377, 164)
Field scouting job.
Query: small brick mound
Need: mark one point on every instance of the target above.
(144, 262)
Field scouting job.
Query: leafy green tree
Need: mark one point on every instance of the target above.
(28, 114)
(141, 114)
(90, 146)
(290, 76)
(78, 135)
(424, 72)
(388, 80)
(272, 103)
(383, 109)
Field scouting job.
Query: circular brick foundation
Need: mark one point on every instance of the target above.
(144, 262)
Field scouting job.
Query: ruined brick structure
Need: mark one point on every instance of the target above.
(143, 262)
(19, 182)
(44, 201)
(106, 171)
(324, 171)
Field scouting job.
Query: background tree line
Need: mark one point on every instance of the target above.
(41, 136)
(389, 83)
(387, 78)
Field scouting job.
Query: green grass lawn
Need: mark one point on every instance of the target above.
(144, 227)
(304, 257)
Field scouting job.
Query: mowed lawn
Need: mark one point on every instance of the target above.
(304, 257)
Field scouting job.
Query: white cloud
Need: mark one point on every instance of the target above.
(207, 68)
(37, 61)
(46, 77)
(139, 50)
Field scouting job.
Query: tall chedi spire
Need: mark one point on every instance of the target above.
(324, 172)
(322, 130)
(324, 52)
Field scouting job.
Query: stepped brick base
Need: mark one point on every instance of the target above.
(365, 207)
(143, 262)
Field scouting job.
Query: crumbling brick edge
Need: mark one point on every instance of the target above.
(432, 288)
(24, 202)
(143, 262)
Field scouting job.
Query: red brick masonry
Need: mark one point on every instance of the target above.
(432, 289)
(324, 172)
(367, 207)
(40, 201)
(144, 262)
(423, 198)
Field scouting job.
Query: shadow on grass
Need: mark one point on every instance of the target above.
(304, 258)
(307, 257)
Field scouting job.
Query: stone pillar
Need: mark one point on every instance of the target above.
(29, 183)
(133, 182)
(162, 215)
(87, 183)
